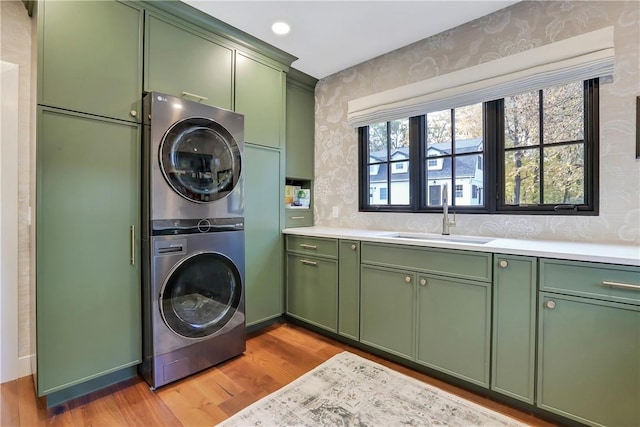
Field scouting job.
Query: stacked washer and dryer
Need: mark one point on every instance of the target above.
(193, 237)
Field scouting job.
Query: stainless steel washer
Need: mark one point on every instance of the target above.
(194, 301)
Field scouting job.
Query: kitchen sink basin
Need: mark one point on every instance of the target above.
(442, 238)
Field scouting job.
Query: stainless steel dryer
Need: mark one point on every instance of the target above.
(194, 306)
(192, 160)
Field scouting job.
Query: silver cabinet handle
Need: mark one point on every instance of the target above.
(306, 246)
(621, 285)
(423, 282)
(132, 237)
(503, 263)
(307, 262)
(133, 113)
(296, 217)
(353, 247)
(550, 305)
(407, 279)
(200, 98)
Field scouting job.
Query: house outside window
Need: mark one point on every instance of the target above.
(388, 163)
(534, 152)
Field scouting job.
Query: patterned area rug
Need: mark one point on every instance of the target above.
(348, 390)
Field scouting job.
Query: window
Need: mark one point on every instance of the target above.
(387, 148)
(454, 138)
(532, 153)
(383, 194)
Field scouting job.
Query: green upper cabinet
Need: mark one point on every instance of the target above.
(88, 280)
(514, 326)
(263, 254)
(300, 125)
(185, 62)
(90, 57)
(260, 97)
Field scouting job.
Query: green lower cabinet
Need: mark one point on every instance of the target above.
(263, 253)
(387, 310)
(312, 290)
(88, 315)
(589, 360)
(349, 289)
(514, 326)
(454, 327)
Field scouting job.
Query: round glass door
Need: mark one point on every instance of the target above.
(200, 159)
(201, 295)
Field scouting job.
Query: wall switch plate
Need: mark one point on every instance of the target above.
(335, 212)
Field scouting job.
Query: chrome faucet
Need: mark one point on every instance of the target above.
(446, 223)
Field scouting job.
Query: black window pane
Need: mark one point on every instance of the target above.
(522, 177)
(468, 128)
(378, 142)
(468, 176)
(563, 113)
(438, 133)
(522, 120)
(564, 174)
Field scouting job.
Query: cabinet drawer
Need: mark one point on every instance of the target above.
(298, 218)
(603, 281)
(452, 263)
(313, 245)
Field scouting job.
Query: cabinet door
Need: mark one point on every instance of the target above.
(263, 272)
(312, 290)
(454, 327)
(260, 97)
(514, 323)
(589, 360)
(300, 132)
(387, 310)
(349, 289)
(181, 61)
(88, 283)
(90, 57)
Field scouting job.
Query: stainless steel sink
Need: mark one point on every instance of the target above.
(442, 238)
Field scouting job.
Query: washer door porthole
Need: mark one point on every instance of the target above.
(201, 295)
(200, 159)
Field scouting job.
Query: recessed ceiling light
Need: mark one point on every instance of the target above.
(280, 28)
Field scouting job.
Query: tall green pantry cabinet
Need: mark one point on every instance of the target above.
(95, 59)
(260, 97)
(88, 328)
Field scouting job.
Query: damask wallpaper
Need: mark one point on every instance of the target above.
(15, 47)
(519, 27)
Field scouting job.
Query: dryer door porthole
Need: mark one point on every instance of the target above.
(200, 159)
(201, 295)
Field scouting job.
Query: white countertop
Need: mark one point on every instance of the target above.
(579, 251)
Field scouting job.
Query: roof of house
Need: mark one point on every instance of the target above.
(465, 165)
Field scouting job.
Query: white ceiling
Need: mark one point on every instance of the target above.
(331, 35)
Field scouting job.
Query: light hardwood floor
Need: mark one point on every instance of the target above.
(274, 357)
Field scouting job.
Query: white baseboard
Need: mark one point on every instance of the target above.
(24, 365)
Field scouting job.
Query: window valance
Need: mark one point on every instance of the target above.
(582, 57)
